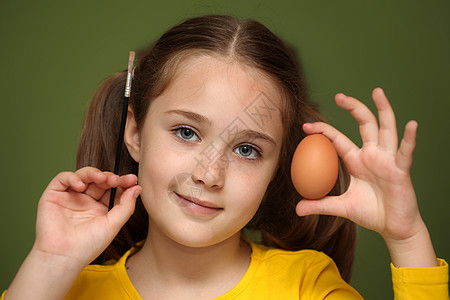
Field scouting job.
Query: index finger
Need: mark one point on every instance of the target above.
(93, 175)
(65, 180)
(343, 145)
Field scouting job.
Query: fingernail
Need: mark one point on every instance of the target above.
(306, 125)
(136, 193)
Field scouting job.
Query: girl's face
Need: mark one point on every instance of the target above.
(207, 150)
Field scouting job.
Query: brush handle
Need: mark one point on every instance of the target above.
(119, 148)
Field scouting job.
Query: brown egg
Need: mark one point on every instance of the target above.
(314, 168)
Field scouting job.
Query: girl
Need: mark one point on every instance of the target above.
(218, 106)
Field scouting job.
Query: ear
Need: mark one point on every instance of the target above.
(132, 136)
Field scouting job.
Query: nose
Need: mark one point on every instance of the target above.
(210, 169)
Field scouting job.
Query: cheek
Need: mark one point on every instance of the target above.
(157, 168)
(250, 188)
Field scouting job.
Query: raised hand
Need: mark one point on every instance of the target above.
(381, 196)
(73, 227)
(73, 219)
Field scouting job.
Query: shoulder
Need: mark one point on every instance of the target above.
(98, 272)
(109, 281)
(299, 260)
(309, 274)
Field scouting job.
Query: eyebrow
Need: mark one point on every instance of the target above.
(204, 120)
(257, 135)
(191, 115)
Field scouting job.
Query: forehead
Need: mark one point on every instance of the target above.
(226, 92)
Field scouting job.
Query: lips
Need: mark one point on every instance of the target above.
(198, 201)
(196, 206)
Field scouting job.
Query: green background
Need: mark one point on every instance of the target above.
(53, 54)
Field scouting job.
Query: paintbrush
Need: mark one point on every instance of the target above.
(122, 123)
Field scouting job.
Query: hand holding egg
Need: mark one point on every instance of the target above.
(381, 195)
(380, 191)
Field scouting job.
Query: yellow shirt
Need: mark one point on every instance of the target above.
(273, 274)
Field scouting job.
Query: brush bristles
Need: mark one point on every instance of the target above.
(130, 62)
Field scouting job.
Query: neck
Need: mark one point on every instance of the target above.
(163, 262)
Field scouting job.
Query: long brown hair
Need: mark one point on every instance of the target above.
(252, 44)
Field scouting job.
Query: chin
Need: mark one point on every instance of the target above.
(201, 239)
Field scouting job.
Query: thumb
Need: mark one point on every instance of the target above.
(331, 205)
(122, 211)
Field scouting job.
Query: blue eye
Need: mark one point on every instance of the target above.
(248, 152)
(186, 133)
